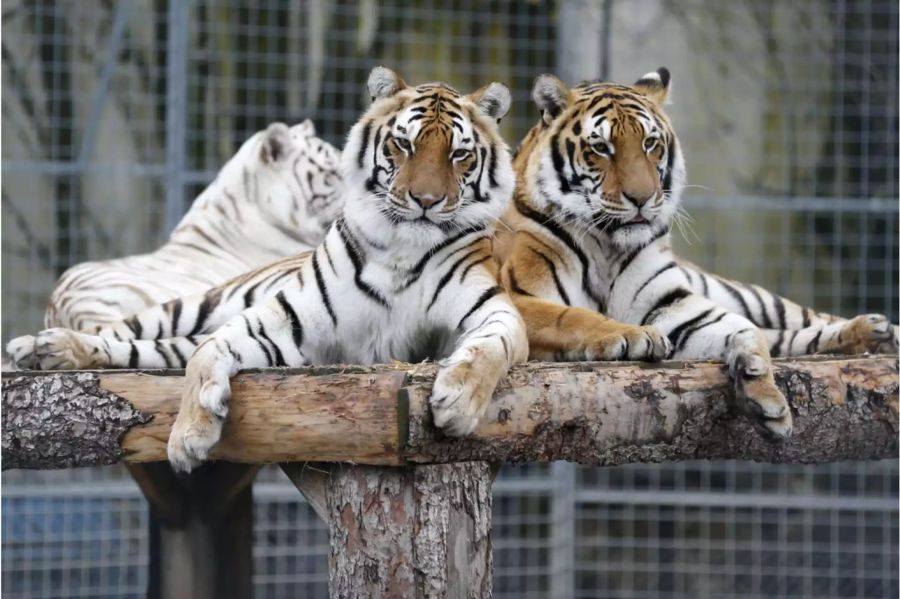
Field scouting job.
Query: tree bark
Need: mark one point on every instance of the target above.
(63, 420)
(594, 413)
(419, 531)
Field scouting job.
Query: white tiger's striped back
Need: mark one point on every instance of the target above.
(275, 197)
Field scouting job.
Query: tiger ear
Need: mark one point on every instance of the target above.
(551, 96)
(384, 83)
(655, 85)
(493, 99)
(275, 143)
(307, 128)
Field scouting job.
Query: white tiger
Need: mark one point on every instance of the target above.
(276, 196)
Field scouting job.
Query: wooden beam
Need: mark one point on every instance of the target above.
(595, 413)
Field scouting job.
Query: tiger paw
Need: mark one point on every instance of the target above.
(21, 353)
(760, 398)
(204, 407)
(459, 398)
(869, 333)
(193, 436)
(633, 343)
(62, 349)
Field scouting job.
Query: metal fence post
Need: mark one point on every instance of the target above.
(176, 111)
(563, 531)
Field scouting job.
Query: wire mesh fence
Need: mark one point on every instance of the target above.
(117, 113)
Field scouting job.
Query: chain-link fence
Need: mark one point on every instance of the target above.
(117, 113)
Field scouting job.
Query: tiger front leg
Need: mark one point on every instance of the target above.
(467, 378)
(557, 332)
(868, 333)
(63, 349)
(21, 353)
(750, 367)
(268, 335)
(204, 405)
(699, 329)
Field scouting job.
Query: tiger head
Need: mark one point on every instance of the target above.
(605, 157)
(287, 178)
(425, 161)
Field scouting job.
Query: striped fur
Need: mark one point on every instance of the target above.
(406, 272)
(277, 196)
(599, 183)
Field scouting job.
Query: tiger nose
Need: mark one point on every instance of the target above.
(638, 200)
(426, 200)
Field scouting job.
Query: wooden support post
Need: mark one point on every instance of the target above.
(201, 530)
(421, 531)
(311, 479)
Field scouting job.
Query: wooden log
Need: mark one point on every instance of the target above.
(608, 414)
(844, 408)
(419, 532)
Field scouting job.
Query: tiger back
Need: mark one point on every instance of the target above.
(275, 197)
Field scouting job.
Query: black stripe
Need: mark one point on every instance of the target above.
(157, 345)
(416, 270)
(664, 302)
(488, 294)
(351, 246)
(176, 316)
(209, 299)
(248, 295)
(688, 334)
(775, 350)
(667, 178)
(296, 327)
(561, 234)
(133, 323)
(320, 282)
(328, 255)
(705, 285)
(766, 321)
(237, 357)
(794, 334)
(367, 130)
(514, 284)
(813, 345)
(677, 331)
(806, 321)
(492, 167)
(559, 287)
(447, 276)
(181, 361)
(558, 164)
(133, 357)
(279, 358)
(626, 262)
(738, 296)
(780, 311)
(653, 276)
(466, 270)
(549, 247)
(258, 341)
